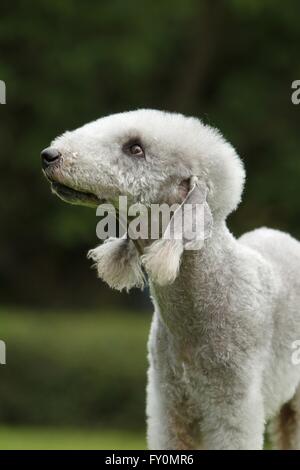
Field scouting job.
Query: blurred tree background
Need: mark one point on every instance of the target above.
(66, 62)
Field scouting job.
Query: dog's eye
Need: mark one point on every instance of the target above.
(134, 148)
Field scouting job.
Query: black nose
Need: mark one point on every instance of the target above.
(49, 156)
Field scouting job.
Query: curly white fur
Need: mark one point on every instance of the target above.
(168, 250)
(118, 264)
(225, 316)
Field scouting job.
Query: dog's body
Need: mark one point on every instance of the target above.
(221, 344)
(226, 316)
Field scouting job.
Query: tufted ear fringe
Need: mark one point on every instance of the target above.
(118, 264)
(190, 225)
(162, 260)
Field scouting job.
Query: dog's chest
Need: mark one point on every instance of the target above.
(192, 350)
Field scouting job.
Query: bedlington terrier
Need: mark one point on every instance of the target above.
(227, 315)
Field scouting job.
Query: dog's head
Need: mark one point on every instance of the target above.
(149, 156)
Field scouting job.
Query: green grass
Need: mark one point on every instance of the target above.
(73, 381)
(32, 438)
(74, 370)
(43, 438)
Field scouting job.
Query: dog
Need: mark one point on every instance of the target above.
(227, 314)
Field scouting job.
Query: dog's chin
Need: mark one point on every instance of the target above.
(73, 196)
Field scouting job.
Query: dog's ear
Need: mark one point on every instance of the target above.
(190, 225)
(192, 221)
(118, 264)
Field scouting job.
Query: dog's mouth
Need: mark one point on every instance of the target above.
(74, 196)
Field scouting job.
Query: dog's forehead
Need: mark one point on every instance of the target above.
(143, 123)
(162, 132)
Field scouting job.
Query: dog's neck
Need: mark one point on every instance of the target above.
(200, 279)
